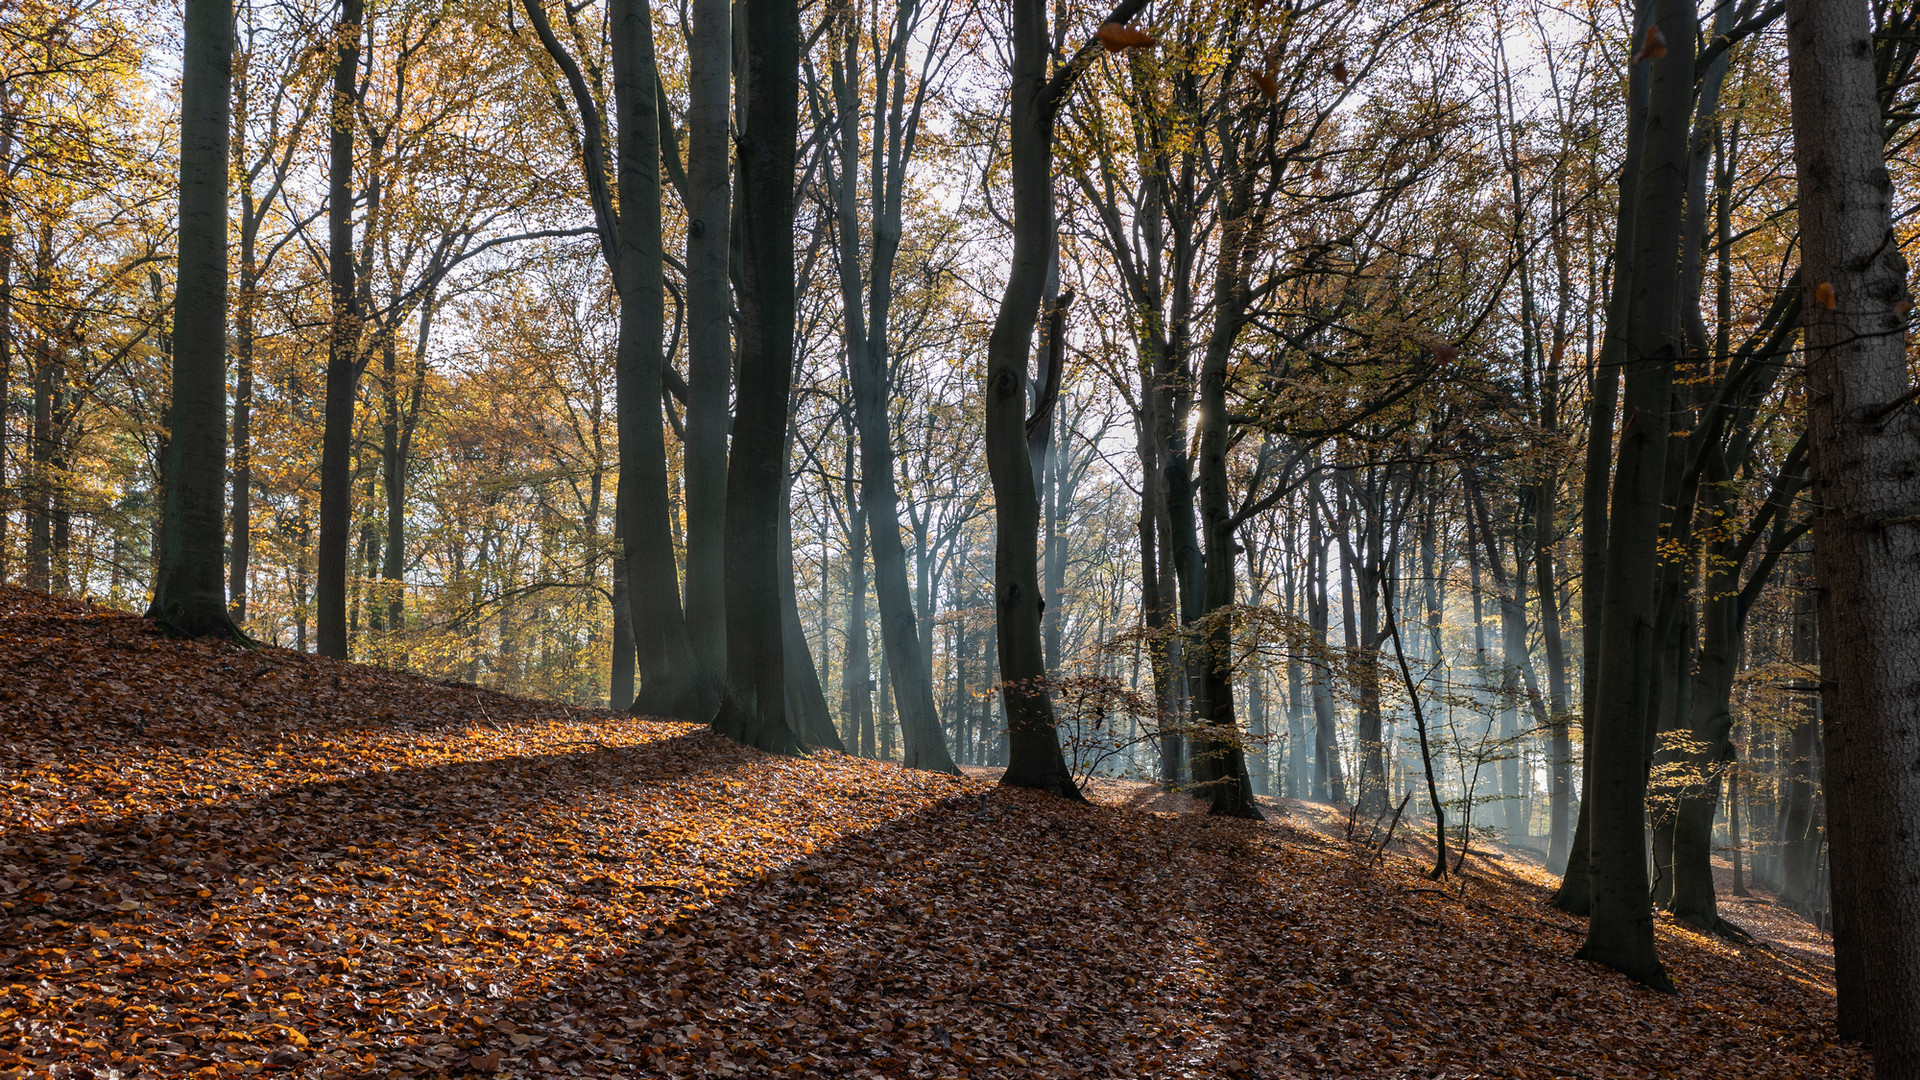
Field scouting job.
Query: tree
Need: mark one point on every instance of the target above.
(1862, 423)
(630, 243)
(1035, 760)
(343, 345)
(189, 589)
(867, 313)
(709, 350)
(1620, 930)
(753, 703)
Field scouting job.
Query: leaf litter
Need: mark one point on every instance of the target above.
(220, 862)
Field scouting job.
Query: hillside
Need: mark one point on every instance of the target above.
(221, 862)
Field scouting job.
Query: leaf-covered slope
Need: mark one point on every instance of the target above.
(225, 862)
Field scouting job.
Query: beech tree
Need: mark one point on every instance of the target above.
(1862, 423)
(189, 584)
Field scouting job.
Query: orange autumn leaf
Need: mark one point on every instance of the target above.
(1117, 36)
(349, 845)
(1653, 48)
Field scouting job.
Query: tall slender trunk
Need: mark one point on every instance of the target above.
(1575, 892)
(7, 122)
(1800, 825)
(806, 701)
(1035, 757)
(668, 686)
(709, 346)
(753, 706)
(189, 593)
(1328, 781)
(1620, 927)
(405, 419)
(856, 673)
(240, 513)
(343, 349)
(866, 334)
(1862, 424)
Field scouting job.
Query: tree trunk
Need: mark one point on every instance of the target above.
(1862, 425)
(856, 673)
(1035, 757)
(1328, 783)
(1575, 893)
(7, 122)
(343, 349)
(1620, 930)
(806, 701)
(189, 594)
(620, 681)
(753, 706)
(709, 344)
(668, 686)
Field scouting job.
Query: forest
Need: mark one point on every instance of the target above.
(1491, 424)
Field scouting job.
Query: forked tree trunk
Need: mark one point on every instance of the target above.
(189, 595)
(1862, 425)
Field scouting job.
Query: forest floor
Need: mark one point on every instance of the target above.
(217, 861)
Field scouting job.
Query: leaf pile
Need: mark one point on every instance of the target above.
(227, 862)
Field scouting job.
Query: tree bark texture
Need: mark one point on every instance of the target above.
(709, 338)
(1862, 428)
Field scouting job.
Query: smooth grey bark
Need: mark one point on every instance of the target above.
(709, 340)
(806, 701)
(867, 322)
(630, 243)
(343, 348)
(1219, 760)
(189, 595)
(753, 704)
(1328, 781)
(856, 667)
(1620, 926)
(668, 686)
(1862, 426)
(1035, 759)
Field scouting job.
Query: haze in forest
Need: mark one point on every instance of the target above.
(1495, 422)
